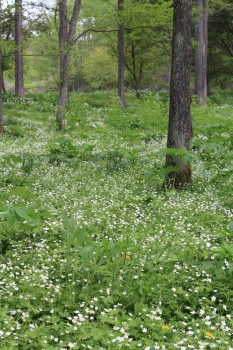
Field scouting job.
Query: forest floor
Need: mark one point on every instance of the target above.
(94, 254)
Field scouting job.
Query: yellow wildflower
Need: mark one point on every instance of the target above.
(127, 257)
(165, 328)
(209, 334)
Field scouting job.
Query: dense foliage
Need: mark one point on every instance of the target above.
(94, 254)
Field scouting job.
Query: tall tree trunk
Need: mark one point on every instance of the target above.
(121, 57)
(19, 77)
(180, 123)
(1, 78)
(64, 64)
(201, 51)
(1, 107)
(66, 39)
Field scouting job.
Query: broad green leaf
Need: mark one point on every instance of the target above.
(22, 192)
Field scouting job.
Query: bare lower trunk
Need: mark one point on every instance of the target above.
(1, 107)
(201, 51)
(180, 176)
(64, 91)
(180, 124)
(121, 56)
(19, 78)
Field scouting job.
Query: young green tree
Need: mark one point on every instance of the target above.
(180, 123)
(149, 24)
(145, 27)
(100, 70)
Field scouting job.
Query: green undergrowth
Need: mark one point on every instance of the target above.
(94, 254)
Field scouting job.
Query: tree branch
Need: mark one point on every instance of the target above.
(114, 30)
(73, 21)
(86, 31)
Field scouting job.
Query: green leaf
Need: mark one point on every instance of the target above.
(19, 213)
(22, 192)
(86, 252)
(173, 257)
(181, 153)
(74, 235)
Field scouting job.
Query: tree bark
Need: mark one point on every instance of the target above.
(66, 39)
(121, 57)
(201, 51)
(19, 76)
(1, 107)
(137, 80)
(64, 64)
(180, 123)
(3, 83)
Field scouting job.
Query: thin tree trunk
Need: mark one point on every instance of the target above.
(64, 89)
(121, 58)
(66, 39)
(180, 123)
(64, 64)
(1, 79)
(19, 76)
(134, 72)
(201, 51)
(3, 83)
(1, 107)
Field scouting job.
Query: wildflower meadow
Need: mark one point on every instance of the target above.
(94, 252)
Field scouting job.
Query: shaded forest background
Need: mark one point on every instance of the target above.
(147, 45)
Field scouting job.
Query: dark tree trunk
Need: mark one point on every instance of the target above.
(3, 83)
(201, 51)
(121, 58)
(180, 123)
(1, 107)
(66, 39)
(19, 78)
